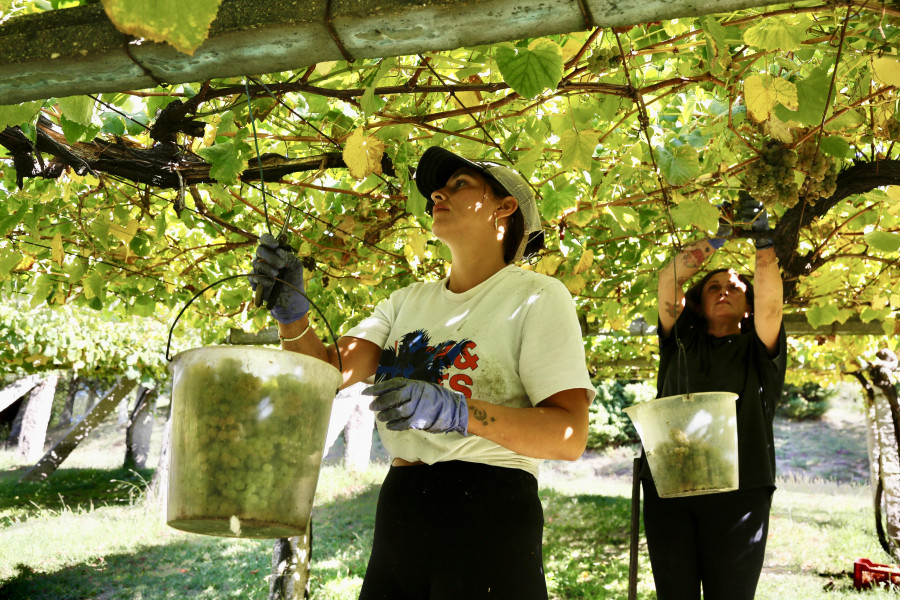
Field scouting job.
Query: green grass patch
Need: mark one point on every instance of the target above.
(68, 488)
(101, 543)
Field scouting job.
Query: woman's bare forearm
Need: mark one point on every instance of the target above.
(672, 277)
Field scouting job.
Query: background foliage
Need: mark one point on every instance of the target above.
(633, 138)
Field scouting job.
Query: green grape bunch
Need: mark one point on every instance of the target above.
(603, 59)
(821, 173)
(771, 178)
(248, 448)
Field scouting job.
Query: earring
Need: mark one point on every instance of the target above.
(496, 227)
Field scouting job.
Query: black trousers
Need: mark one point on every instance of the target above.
(457, 531)
(714, 540)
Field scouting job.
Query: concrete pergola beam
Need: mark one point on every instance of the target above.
(77, 51)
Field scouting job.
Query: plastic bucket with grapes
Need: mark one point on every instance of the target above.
(690, 442)
(248, 435)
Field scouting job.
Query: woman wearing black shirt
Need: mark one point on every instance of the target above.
(732, 340)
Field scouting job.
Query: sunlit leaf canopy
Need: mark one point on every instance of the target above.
(634, 138)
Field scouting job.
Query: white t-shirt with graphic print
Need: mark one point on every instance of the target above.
(513, 340)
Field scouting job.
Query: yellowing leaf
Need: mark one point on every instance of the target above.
(56, 249)
(362, 154)
(26, 263)
(763, 92)
(126, 233)
(549, 264)
(779, 130)
(585, 262)
(182, 23)
(574, 283)
(887, 70)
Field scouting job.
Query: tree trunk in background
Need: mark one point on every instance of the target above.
(65, 417)
(123, 410)
(158, 489)
(883, 415)
(91, 397)
(358, 435)
(290, 567)
(140, 429)
(35, 420)
(17, 389)
(61, 450)
(350, 413)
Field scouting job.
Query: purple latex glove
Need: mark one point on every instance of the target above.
(413, 404)
(285, 303)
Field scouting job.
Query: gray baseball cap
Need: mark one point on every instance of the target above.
(437, 165)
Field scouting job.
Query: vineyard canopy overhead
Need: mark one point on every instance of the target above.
(636, 138)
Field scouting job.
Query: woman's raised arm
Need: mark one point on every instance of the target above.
(669, 292)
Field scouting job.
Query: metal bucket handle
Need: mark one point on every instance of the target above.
(311, 303)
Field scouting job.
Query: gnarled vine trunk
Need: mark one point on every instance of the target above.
(883, 436)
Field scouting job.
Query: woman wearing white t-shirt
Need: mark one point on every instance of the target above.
(477, 377)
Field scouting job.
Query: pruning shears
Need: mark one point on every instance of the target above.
(282, 238)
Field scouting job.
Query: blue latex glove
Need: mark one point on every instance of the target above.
(285, 304)
(751, 211)
(413, 404)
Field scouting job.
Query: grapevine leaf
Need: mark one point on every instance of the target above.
(775, 34)
(226, 161)
(870, 314)
(883, 240)
(362, 154)
(530, 71)
(577, 149)
(887, 70)
(56, 249)
(182, 23)
(557, 200)
(77, 108)
(820, 315)
(764, 92)
(585, 262)
(93, 285)
(625, 216)
(9, 259)
(12, 115)
(574, 283)
(697, 212)
(7, 222)
(679, 165)
(812, 94)
(834, 145)
(368, 103)
(549, 264)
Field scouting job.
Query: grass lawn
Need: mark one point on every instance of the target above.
(89, 533)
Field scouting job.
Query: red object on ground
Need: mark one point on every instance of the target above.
(866, 574)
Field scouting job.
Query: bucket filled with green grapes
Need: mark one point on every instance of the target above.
(248, 434)
(690, 442)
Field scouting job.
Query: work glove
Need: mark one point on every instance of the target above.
(412, 404)
(278, 260)
(724, 230)
(751, 211)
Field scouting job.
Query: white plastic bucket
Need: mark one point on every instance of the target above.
(248, 433)
(690, 442)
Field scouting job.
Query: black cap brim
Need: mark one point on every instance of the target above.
(435, 167)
